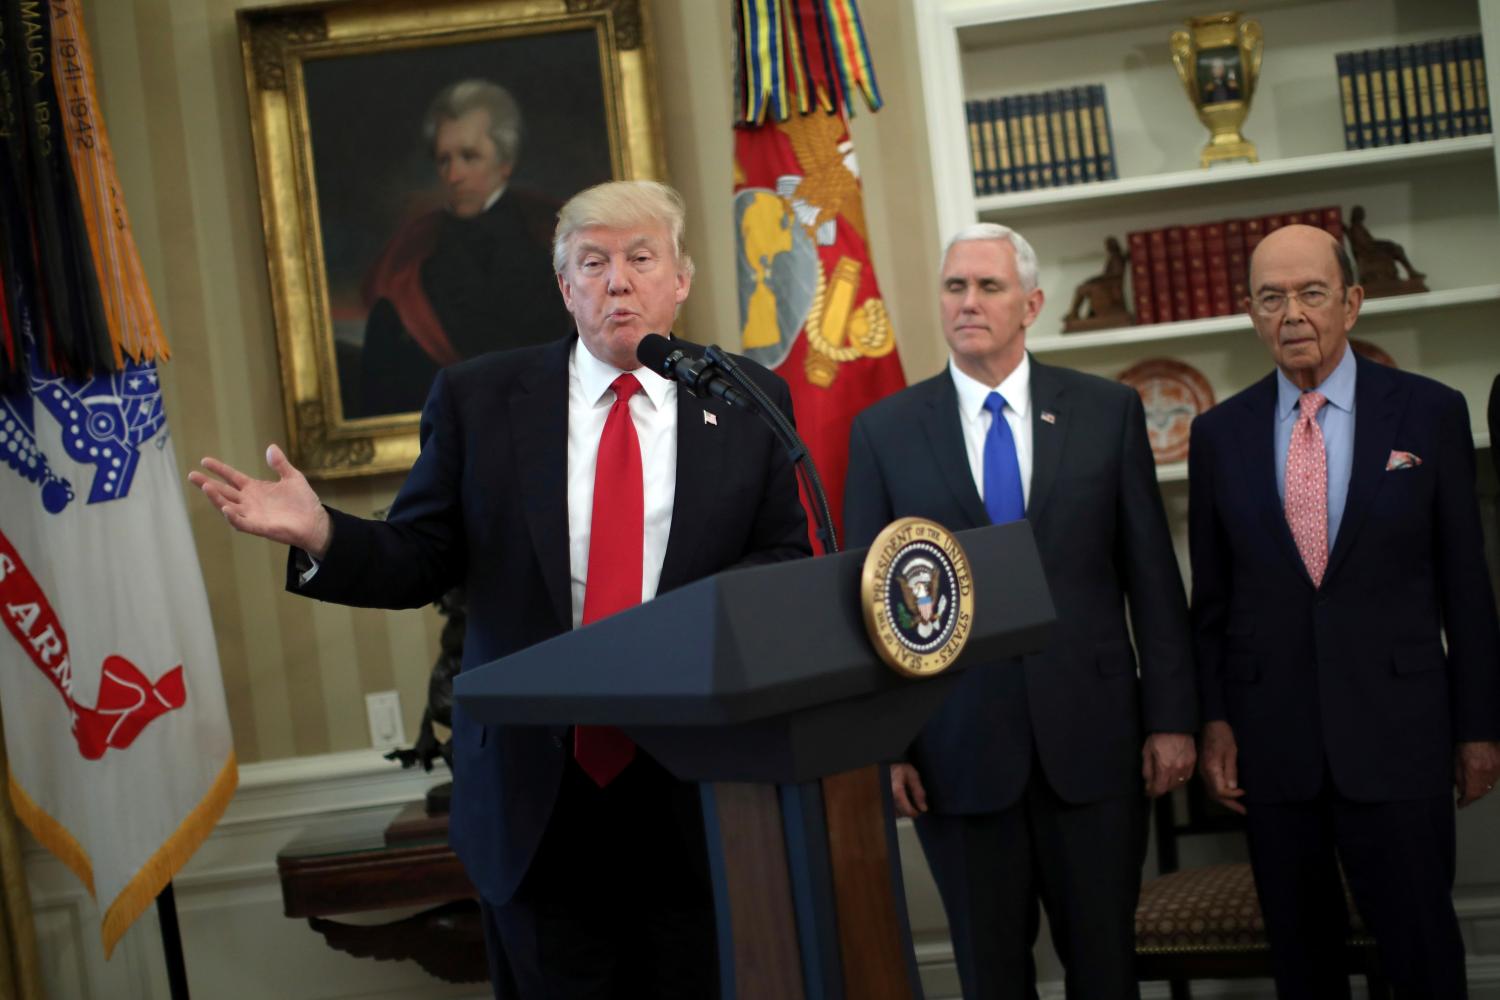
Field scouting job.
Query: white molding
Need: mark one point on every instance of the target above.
(296, 771)
(943, 99)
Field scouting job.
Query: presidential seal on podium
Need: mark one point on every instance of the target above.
(918, 597)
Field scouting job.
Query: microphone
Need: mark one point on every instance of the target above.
(685, 365)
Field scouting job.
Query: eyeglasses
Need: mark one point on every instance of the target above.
(1274, 303)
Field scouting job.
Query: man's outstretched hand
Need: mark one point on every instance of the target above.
(284, 510)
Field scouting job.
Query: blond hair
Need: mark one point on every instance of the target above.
(622, 205)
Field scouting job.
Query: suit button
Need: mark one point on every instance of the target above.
(557, 742)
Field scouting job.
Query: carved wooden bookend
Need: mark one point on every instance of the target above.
(1099, 302)
(1377, 260)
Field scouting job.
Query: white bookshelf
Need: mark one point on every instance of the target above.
(1440, 199)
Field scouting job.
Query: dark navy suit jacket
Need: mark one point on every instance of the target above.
(486, 505)
(1099, 524)
(1354, 672)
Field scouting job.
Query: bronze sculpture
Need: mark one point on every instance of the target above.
(1376, 260)
(1104, 295)
(439, 710)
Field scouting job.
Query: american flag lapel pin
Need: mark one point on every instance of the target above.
(710, 419)
(1048, 417)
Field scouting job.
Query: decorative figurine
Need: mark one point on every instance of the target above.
(1218, 62)
(1104, 294)
(1376, 261)
(439, 710)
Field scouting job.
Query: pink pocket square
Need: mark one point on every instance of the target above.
(1402, 460)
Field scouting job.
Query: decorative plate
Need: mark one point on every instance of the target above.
(1173, 394)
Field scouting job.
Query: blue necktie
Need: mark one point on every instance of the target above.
(1003, 497)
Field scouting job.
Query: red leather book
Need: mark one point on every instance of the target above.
(1332, 219)
(1218, 268)
(1199, 295)
(1161, 276)
(1177, 269)
(1140, 278)
(1255, 231)
(1239, 263)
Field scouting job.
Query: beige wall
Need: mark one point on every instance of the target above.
(174, 95)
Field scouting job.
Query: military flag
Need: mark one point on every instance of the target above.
(118, 741)
(810, 307)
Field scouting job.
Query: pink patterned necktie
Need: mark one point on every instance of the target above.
(1307, 487)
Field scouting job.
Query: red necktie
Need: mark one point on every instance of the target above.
(1307, 487)
(616, 538)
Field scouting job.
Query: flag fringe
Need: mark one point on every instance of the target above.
(142, 890)
(51, 834)
(158, 870)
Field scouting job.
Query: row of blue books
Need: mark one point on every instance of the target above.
(1413, 93)
(1042, 140)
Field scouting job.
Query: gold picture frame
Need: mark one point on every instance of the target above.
(339, 93)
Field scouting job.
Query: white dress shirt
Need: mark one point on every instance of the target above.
(976, 419)
(654, 412)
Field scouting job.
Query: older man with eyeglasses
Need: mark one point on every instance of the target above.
(1335, 540)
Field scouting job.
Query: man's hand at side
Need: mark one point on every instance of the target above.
(907, 791)
(1167, 761)
(1476, 765)
(1219, 765)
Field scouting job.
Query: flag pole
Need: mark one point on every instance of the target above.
(171, 943)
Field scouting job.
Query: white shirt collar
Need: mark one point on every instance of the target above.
(1016, 388)
(596, 377)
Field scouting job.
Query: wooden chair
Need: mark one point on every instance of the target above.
(1205, 922)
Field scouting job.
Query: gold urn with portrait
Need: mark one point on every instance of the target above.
(1218, 60)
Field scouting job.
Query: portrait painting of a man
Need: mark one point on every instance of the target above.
(436, 213)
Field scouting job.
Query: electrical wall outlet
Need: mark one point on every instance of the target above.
(387, 731)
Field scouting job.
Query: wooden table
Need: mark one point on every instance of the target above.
(409, 865)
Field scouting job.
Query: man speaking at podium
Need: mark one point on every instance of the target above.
(1027, 783)
(562, 483)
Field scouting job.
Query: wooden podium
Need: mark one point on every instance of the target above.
(761, 685)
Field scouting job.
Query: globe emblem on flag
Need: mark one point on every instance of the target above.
(105, 420)
(778, 271)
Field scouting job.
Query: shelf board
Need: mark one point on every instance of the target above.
(1016, 203)
(984, 24)
(1240, 322)
(1176, 472)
